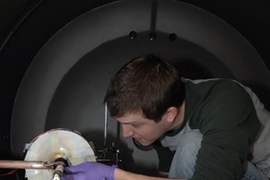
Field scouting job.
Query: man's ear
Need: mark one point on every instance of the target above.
(171, 114)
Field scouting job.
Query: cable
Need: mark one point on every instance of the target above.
(9, 173)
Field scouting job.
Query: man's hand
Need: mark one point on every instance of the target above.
(89, 170)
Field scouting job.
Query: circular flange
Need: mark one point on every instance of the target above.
(57, 144)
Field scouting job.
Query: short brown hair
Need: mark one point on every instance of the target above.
(147, 84)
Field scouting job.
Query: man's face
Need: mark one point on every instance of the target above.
(143, 130)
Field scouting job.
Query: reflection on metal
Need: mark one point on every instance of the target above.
(55, 145)
(16, 164)
(48, 154)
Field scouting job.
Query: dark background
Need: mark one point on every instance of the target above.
(45, 17)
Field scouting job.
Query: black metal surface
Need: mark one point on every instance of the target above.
(26, 26)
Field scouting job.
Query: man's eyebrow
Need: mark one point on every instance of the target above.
(129, 123)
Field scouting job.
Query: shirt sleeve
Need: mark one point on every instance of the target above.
(227, 119)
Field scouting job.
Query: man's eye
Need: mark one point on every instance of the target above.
(136, 125)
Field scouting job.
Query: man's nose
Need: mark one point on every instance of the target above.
(127, 130)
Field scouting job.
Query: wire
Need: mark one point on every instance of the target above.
(9, 173)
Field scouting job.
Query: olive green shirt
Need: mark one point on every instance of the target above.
(224, 113)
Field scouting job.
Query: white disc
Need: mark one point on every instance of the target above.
(55, 144)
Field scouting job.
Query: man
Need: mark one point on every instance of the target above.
(204, 130)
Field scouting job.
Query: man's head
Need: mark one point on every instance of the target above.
(147, 85)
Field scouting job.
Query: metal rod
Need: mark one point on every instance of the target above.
(105, 125)
(58, 172)
(16, 164)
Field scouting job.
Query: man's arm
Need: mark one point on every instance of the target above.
(120, 174)
(229, 124)
(99, 171)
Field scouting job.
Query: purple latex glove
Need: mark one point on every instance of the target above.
(89, 171)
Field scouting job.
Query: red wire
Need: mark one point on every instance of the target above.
(9, 173)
